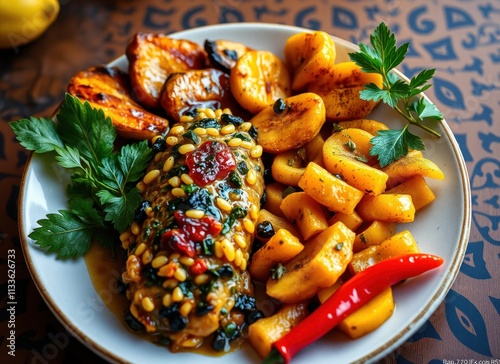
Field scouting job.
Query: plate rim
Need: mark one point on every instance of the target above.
(373, 355)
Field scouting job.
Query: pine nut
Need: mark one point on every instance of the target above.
(169, 164)
(245, 126)
(178, 192)
(240, 241)
(247, 145)
(254, 212)
(151, 176)
(238, 257)
(195, 214)
(243, 265)
(186, 308)
(227, 129)
(141, 248)
(186, 148)
(234, 142)
(159, 261)
(125, 235)
(187, 261)
(147, 257)
(251, 177)
(177, 294)
(248, 225)
(200, 131)
(228, 249)
(223, 204)
(209, 113)
(180, 274)
(172, 140)
(212, 132)
(177, 130)
(219, 253)
(170, 283)
(166, 300)
(186, 118)
(186, 178)
(148, 304)
(201, 279)
(175, 181)
(256, 151)
(141, 186)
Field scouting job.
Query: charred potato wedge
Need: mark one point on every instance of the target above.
(310, 56)
(223, 54)
(184, 92)
(109, 89)
(258, 79)
(340, 87)
(296, 124)
(152, 57)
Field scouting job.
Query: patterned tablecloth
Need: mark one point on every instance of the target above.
(460, 38)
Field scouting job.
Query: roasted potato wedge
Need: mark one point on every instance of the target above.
(339, 88)
(310, 56)
(194, 89)
(258, 79)
(298, 123)
(109, 89)
(223, 54)
(152, 57)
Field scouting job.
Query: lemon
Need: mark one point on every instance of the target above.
(22, 21)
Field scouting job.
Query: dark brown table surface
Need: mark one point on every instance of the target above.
(461, 39)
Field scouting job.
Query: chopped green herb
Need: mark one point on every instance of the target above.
(277, 271)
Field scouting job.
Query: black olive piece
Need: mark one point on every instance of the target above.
(253, 316)
(132, 322)
(220, 341)
(151, 275)
(203, 309)
(140, 213)
(265, 230)
(253, 132)
(176, 321)
(225, 271)
(242, 167)
(279, 106)
(231, 119)
(245, 303)
(121, 286)
(191, 112)
(160, 145)
(263, 198)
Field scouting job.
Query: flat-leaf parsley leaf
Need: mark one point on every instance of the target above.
(102, 196)
(382, 57)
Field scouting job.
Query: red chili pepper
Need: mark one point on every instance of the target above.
(348, 298)
(199, 266)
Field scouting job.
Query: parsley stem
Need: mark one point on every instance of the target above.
(409, 117)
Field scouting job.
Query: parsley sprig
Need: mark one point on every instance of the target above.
(404, 97)
(102, 197)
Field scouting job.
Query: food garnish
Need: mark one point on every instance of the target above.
(382, 58)
(353, 294)
(102, 196)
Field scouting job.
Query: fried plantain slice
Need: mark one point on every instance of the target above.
(187, 91)
(152, 57)
(109, 89)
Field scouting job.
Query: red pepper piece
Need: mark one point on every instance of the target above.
(199, 266)
(189, 232)
(348, 298)
(211, 161)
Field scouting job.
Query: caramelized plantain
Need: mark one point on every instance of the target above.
(223, 54)
(152, 57)
(187, 91)
(109, 89)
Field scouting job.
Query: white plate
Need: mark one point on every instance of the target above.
(442, 229)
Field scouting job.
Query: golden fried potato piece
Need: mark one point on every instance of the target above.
(197, 89)
(340, 88)
(109, 89)
(223, 54)
(258, 79)
(152, 57)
